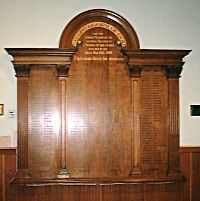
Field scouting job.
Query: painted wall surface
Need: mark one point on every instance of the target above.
(164, 24)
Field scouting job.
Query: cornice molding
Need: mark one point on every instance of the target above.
(170, 60)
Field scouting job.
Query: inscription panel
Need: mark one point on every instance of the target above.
(101, 25)
(99, 46)
(44, 121)
(99, 108)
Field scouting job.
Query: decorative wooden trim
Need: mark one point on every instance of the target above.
(173, 125)
(63, 171)
(135, 102)
(41, 55)
(150, 57)
(22, 105)
(62, 73)
(135, 73)
(189, 149)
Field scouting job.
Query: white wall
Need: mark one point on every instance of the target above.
(172, 24)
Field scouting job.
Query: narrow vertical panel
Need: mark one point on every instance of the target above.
(154, 192)
(12, 193)
(22, 105)
(48, 193)
(19, 193)
(63, 135)
(38, 193)
(119, 131)
(136, 138)
(44, 122)
(2, 177)
(173, 125)
(172, 191)
(30, 193)
(57, 193)
(1, 181)
(62, 91)
(185, 165)
(195, 176)
(154, 139)
(7, 171)
(10, 169)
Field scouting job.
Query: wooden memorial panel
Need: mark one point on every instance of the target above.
(98, 114)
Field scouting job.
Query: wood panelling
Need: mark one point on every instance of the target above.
(7, 171)
(190, 165)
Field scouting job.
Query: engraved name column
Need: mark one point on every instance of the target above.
(135, 72)
(22, 74)
(62, 73)
(173, 74)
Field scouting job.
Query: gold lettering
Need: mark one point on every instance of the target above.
(98, 58)
(104, 25)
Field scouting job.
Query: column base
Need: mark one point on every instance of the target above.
(136, 172)
(22, 173)
(63, 174)
(21, 176)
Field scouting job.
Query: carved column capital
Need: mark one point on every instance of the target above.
(134, 70)
(22, 70)
(63, 70)
(174, 71)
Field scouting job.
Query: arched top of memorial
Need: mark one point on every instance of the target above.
(96, 20)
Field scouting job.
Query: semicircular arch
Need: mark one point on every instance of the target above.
(99, 18)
